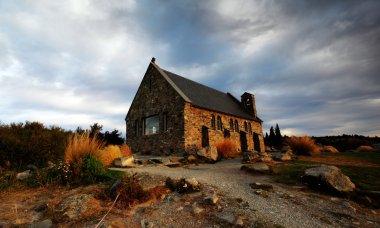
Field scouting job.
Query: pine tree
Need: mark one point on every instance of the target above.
(266, 139)
(278, 137)
(272, 137)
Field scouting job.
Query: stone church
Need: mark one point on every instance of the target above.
(172, 114)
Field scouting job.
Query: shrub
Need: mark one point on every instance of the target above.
(108, 154)
(227, 149)
(330, 149)
(125, 150)
(364, 149)
(303, 145)
(80, 146)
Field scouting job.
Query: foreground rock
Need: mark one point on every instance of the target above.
(125, 161)
(281, 156)
(73, 206)
(250, 157)
(183, 185)
(328, 178)
(23, 175)
(256, 168)
(208, 153)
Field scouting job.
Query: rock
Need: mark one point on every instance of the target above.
(212, 199)
(257, 185)
(125, 161)
(256, 168)
(183, 185)
(264, 157)
(176, 159)
(239, 221)
(191, 158)
(74, 205)
(145, 224)
(197, 210)
(40, 208)
(328, 178)
(281, 156)
(262, 193)
(227, 216)
(32, 167)
(23, 175)
(173, 164)
(209, 153)
(250, 156)
(42, 224)
(180, 209)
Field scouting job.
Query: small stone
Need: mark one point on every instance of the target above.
(40, 208)
(212, 199)
(257, 168)
(23, 175)
(257, 185)
(180, 208)
(226, 216)
(262, 193)
(187, 203)
(197, 210)
(42, 224)
(239, 221)
(191, 158)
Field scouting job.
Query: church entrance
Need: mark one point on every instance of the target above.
(205, 138)
(256, 142)
(243, 141)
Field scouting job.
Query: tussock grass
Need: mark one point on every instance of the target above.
(304, 145)
(125, 150)
(227, 149)
(108, 154)
(80, 146)
(364, 149)
(330, 149)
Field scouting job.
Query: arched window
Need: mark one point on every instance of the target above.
(212, 121)
(220, 125)
(236, 125)
(245, 127)
(250, 128)
(231, 125)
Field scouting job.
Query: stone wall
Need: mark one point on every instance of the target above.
(196, 117)
(156, 96)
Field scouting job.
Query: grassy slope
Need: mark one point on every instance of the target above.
(365, 174)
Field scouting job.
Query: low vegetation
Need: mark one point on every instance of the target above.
(330, 149)
(227, 149)
(304, 145)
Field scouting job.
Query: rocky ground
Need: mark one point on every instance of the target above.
(230, 197)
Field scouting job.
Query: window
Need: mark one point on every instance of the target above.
(220, 125)
(165, 116)
(152, 125)
(245, 127)
(231, 125)
(250, 128)
(136, 127)
(212, 121)
(236, 126)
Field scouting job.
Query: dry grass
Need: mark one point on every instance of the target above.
(81, 145)
(227, 149)
(303, 145)
(364, 149)
(330, 149)
(108, 154)
(125, 150)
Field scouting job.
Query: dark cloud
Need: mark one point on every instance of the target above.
(313, 65)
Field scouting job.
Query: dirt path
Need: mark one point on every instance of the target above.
(286, 206)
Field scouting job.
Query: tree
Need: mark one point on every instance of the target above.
(96, 129)
(272, 137)
(266, 139)
(113, 137)
(278, 137)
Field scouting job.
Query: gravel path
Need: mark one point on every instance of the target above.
(286, 206)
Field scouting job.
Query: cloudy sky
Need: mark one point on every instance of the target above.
(313, 65)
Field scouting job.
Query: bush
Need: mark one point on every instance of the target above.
(227, 149)
(125, 150)
(330, 149)
(31, 143)
(108, 154)
(303, 145)
(80, 146)
(364, 149)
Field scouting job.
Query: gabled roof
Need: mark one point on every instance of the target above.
(204, 96)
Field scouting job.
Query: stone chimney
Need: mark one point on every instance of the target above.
(249, 104)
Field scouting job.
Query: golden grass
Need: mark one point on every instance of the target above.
(125, 150)
(304, 145)
(364, 149)
(108, 154)
(226, 148)
(330, 149)
(81, 145)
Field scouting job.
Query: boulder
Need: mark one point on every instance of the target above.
(328, 178)
(74, 205)
(209, 153)
(264, 157)
(281, 156)
(250, 157)
(125, 161)
(256, 168)
(23, 175)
